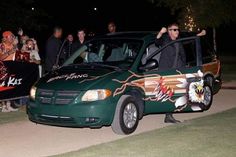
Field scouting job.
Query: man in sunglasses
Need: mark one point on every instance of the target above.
(173, 56)
(168, 58)
(168, 55)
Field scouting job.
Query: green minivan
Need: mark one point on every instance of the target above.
(114, 80)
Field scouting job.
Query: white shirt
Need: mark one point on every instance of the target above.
(34, 55)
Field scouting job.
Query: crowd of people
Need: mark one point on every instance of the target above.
(21, 47)
(57, 53)
(12, 44)
(16, 48)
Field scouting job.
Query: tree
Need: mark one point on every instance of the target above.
(15, 14)
(201, 13)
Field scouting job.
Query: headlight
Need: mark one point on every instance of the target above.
(33, 92)
(98, 94)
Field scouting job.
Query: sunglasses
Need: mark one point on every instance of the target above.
(174, 30)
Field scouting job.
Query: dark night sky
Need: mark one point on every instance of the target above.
(128, 15)
(131, 15)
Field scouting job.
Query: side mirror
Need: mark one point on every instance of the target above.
(150, 65)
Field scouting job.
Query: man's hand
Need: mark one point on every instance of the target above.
(162, 31)
(202, 33)
(54, 67)
(20, 32)
(34, 41)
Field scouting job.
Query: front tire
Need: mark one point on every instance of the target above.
(126, 116)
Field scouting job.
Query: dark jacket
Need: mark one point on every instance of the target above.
(77, 45)
(52, 48)
(168, 55)
(68, 50)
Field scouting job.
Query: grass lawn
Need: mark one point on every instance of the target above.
(13, 116)
(211, 136)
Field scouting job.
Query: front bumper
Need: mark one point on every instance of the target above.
(89, 114)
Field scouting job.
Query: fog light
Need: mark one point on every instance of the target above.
(91, 120)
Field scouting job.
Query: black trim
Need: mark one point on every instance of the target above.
(198, 51)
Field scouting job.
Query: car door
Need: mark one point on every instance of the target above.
(167, 90)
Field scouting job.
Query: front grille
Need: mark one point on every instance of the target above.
(63, 101)
(56, 119)
(67, 93)
(44, 92)
(45, 100)
(61, 97)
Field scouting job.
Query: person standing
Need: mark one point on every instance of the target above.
(52, 48)
(32, 48)
(81, 39)
(169, 58)
(173, 56)
(69, 48)
(8, 47)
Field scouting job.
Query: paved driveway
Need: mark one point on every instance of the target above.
(27, 139)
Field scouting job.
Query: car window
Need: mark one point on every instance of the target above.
(190, 52)
(119, 52)
(150, 49)
(207, 50)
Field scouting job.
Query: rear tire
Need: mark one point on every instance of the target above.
(209, 80)
(208, 96)
(126, 116)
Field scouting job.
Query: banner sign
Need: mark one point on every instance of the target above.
(16, 78)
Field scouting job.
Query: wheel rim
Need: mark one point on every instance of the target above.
(207, 95)
(130, 115)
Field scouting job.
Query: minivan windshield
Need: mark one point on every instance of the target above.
(115, 52)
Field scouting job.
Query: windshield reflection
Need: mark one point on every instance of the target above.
(116, 52)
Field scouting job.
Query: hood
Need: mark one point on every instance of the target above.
(76, 78)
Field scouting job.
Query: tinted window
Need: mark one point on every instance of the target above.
(150, 49)
(190, 52)
(207, 51)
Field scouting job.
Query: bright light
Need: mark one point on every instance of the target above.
(33, 93)
(94, 95)
(32, 8)
(189, 23)
(95, 9)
